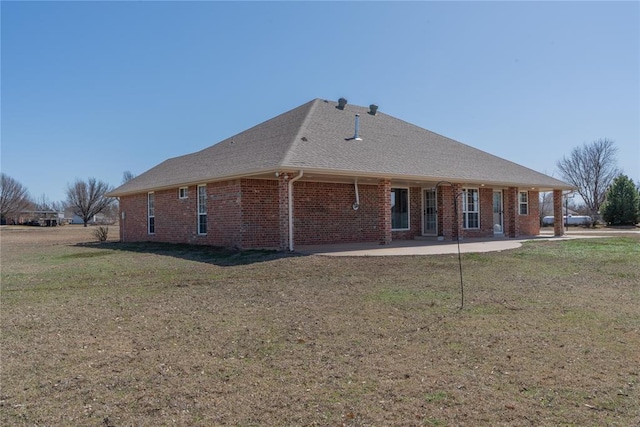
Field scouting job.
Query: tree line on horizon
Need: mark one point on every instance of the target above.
(85, 199)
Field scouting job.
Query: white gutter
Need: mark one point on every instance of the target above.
(291, 208)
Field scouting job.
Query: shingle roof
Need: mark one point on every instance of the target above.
(317, 137)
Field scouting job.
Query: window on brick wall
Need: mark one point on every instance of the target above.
(399, 208)
(470, 208)
(151, 214)
(183, 192)
(202, 209)
(523, 203)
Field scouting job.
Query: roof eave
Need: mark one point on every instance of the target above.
(190, 183)
(310, 172)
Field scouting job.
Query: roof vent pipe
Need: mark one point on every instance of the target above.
(373, 109)
(356, 135)
(342, 103)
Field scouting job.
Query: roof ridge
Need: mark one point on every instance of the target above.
(297, 137)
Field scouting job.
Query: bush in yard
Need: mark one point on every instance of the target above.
(621, 207)
(101, 233)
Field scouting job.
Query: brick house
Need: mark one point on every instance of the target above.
(328, 172)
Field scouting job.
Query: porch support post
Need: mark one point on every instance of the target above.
(384, 211)
(458, 222)
(447, 213)
(512, 224)
(558, 222)
(283, 209)
(440, 212)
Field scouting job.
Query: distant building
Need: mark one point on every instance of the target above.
(45, 218)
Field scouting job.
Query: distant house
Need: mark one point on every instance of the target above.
(72, 218)
(42, 217)
(328, 172)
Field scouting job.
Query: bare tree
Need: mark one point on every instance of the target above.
(42, 203)
(592, 168)
(127, 176)
(14, 197)
(58, 206)
(87, 199)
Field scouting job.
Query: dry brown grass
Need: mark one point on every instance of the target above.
(113, 335)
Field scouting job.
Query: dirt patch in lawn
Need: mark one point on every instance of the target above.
(118, 334)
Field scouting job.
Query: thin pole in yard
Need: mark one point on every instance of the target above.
(458, 231)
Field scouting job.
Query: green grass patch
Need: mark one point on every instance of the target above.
(436, 397)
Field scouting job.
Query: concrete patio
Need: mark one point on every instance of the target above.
(436, 247)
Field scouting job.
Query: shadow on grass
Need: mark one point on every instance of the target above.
(208, 254)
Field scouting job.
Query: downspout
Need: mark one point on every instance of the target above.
(291, 208)
(356, 205)
(123, 226)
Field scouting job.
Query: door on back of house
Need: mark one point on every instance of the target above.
(498, 225)
(430, 213)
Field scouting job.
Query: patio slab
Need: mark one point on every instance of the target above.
(417, 247)
(467, 245)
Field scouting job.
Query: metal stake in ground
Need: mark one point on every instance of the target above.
(458, 231)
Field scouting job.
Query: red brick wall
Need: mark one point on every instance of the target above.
(558, 226)
(384, 211)
(517, 225)
(252, 213)
(133, 228)
(323, 213)
(447, 196)
(176, 219)
(283, 209)
(511, 223)
(260, 214)
(530, 224)
(224, 216)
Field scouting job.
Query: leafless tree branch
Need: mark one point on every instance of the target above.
(87, 199)
(14, 197)
(592, 168)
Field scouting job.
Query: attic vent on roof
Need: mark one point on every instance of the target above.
(373, 109)
(341, 103)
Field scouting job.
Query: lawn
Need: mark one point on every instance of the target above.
(144, 334)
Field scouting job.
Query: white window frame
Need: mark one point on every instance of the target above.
(408, 208)
(151, 213)
(201, 209)
(475, 211)
(523, 203)
(183, 192)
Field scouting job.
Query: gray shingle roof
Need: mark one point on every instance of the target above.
(315, 137)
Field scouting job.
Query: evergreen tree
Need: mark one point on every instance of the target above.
(621, 207)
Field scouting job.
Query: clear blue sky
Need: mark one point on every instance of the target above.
(93, 89)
